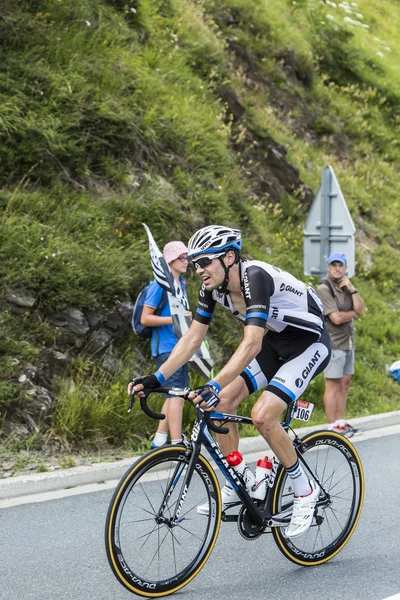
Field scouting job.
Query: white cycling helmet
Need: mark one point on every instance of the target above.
(213, 239)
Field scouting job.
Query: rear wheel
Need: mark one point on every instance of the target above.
(333, 461)
(150, 553)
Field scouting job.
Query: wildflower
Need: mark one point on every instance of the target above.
(88, 23)
(330, 17)
(352, 21)
(380, 54)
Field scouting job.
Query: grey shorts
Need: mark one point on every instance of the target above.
(341, 363)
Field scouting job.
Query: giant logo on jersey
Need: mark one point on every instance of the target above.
(289, 288)
(246, 286)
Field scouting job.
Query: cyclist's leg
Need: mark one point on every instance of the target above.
(266, 417)
(230, 398)
(301, 357)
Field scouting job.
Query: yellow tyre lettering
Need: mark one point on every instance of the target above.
(278, 536)
(130, 473)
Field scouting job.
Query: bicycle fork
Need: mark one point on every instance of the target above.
(174, 481)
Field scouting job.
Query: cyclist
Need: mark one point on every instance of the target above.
(294, 350)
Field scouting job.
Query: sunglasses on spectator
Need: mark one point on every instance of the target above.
(182, 258)
(204, 261)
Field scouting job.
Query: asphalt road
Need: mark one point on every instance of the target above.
(55, 550)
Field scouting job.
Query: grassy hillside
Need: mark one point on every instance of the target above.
(181, 113)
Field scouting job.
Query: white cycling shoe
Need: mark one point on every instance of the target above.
(228, 496)
(303, 512)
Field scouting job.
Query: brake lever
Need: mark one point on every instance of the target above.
(131, 401)
(132, 395)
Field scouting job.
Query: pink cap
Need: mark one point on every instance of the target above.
(172, 250)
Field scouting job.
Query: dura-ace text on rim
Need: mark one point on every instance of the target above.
(156, 540)
(334, 462)
(151, 551)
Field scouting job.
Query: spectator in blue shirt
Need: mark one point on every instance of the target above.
(163, 341)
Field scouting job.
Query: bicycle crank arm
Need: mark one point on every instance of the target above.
(229, 518)
(281, 519)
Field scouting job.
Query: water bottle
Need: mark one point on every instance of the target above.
(236, 460)
(263, 472)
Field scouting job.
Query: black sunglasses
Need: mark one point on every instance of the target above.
(200, 263)
(204, 261)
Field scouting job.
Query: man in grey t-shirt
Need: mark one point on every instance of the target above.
(342, 304)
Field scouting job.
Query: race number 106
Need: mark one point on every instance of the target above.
(302, 410)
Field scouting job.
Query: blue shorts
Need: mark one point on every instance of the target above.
(180, 379)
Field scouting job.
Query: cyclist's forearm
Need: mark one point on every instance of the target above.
(181, 354)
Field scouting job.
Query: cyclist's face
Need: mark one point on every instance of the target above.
(210, 270)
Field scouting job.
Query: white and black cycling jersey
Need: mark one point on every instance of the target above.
(271, 295)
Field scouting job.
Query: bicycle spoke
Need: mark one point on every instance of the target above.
(191, 533)
(156, 552)
(333, 464)
(153, 547)
(147, 536)
(153, 514)
(148, 499)
(326, 516)
(340, 480)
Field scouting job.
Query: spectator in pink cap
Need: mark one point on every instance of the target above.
(157, 314)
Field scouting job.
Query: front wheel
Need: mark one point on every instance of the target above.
(151, 553)
(333, 461)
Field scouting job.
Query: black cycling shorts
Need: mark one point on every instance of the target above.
(287, 362)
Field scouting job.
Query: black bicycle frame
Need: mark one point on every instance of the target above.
(201, 436)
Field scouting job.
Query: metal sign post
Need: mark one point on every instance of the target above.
(329, 227)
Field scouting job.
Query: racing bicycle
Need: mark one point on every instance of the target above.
(157, 542)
